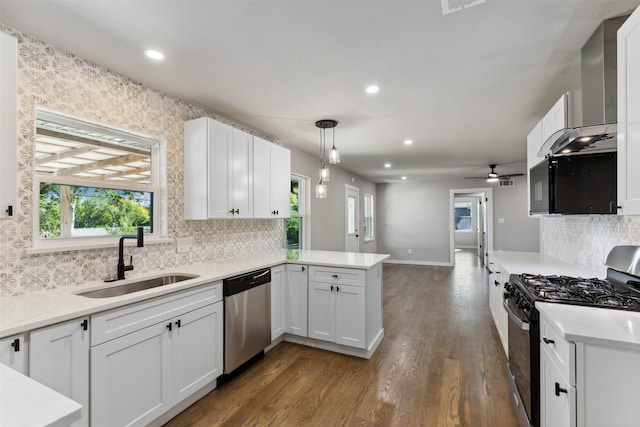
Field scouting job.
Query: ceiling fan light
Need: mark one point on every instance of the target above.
(493, 178)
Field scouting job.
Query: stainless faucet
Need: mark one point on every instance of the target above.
(121, 267)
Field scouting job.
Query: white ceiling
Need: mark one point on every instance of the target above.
(466, 87)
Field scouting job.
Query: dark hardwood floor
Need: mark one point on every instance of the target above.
(440, 364)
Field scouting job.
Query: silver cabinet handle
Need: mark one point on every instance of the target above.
(521, 324)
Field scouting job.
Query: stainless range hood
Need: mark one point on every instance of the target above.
(597, 131)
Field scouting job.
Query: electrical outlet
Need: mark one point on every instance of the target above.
(409, 250)
(183, 244)
(500, 220)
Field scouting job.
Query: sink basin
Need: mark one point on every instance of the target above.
(128, 288)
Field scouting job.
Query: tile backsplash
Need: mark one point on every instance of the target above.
(59, 81)
(586, 240)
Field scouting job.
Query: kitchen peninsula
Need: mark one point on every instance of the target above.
(340, 294)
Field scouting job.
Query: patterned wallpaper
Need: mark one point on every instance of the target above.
(62, 82)
(586, 240)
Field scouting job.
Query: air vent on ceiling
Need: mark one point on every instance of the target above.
(450, 6)
(506, 183)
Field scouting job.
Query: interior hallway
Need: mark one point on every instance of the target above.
(440, 364)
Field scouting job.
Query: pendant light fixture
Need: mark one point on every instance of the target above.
(325, 173)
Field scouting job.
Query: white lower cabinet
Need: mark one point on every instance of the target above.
(13, 353)
(59, 359)
(558, 403)
(497, 279)
(277, 301)
(295, 300)
(337, 311)
(142, 373)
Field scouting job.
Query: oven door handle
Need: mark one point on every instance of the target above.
(522, 325)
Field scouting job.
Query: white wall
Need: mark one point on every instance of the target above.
(415, 215)
(328, 215)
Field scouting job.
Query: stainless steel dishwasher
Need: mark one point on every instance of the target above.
(247, 317)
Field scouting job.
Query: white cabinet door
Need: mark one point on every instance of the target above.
(8, 125)
(557, 396)
(629, 115)
(197, 342)
(534, 143)
(218, 171)
(241, 166)
(280, 181)
(59, 359)
(131, 378)
(351, 316)
(555, 119)
(272, 179)
(295, 297)
(13, 353)
(277, 301)
(322, 311)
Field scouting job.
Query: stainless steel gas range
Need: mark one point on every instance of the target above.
(619, 290)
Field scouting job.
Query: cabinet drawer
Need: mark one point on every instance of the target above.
(337, 276)
(121, 321)
(562, 352)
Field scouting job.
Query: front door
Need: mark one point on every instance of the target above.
(352, 212)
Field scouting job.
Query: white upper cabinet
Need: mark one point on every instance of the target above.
(629, 115)
(218, 171)
(534, 143)
(272, 178)
(555, 119)
(8, 125)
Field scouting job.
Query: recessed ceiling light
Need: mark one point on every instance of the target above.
(404, 177)
(387, 165)
(408, 142)
(372, 89)
(154, 54)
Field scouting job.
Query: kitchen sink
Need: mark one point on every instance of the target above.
(128, 288)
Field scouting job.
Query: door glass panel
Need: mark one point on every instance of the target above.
(351, 215)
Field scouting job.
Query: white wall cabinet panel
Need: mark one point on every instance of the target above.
(59, 359)
(8, 125)
(218, 172)
(629, 115)
(534, 143)
(272, 180)
(555, 119)
(295, 297)
(497, 279)
(277, 301)
(13, 353)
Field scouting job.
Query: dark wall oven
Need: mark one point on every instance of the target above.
(524, 355)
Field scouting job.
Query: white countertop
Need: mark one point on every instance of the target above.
(27, 403)
(591, 325)
(34, 310)
(536, 263)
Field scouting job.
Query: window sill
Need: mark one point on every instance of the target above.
(53, 247)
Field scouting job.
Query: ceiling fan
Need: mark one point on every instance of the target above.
(493, 176)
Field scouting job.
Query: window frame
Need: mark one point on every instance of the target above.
(369, 235)
(304, 208)
(157, 186)
(457, 205)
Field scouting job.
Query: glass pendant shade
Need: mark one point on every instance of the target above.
(325, 174)
(334, 155)
(321, 191)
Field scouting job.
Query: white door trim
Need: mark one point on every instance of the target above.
(487, 193)
(348, 188)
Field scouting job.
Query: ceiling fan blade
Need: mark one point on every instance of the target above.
(475, 177)
(510, 175)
